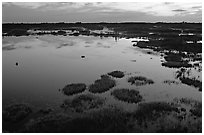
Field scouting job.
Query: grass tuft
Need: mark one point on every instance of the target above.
(130, 96)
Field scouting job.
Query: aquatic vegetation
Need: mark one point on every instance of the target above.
(173, 57)
(46, 110)
(169, 82)
(102, 85)
(8, 47)
(16, 112)
(153, 110)
(196, 110)
(51, 123)
(74, 88)
(17, 32)
(105, 120)
(175, 64)
(140, 80)
(66, 44)
(83, 103)
(117, 74)
(192, 82)
(130, 96)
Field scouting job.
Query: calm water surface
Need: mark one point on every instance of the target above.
(48, 63)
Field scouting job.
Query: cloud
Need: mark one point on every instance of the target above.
(150, 8)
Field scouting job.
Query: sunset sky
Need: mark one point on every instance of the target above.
(101, 12)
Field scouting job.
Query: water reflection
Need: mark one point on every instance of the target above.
(51, 62)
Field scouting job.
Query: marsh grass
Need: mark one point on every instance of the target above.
(102, 85)
(176, 64)
(117, 74)
(153, 110)
(101, 121)
(51, 123)
(16, 112)
(173, 57)
(83, 103)
(197, 109)
(192, 82)
(74, 88)
(139, 80)
(126, 95)
(169, 82)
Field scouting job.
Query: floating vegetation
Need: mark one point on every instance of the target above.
(140, 80)
(74, 88)
(169, 82)
(102, 85)
(16, 112)
(117, 74)
(83, 103)
(192, 82)
(130, 96)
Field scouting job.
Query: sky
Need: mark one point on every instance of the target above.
(101, 11)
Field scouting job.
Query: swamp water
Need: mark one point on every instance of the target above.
(48, 63)
(36, 70)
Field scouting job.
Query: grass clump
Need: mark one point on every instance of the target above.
(101, 121)
(102, 85)
(16, 112)
(197, 109)
(192, 82)
(83, 103)
(140, 80)
(52, 123)
(74, 88)
(117, 74)
(153, 110)
(173, 57)
(169, 82)
(130, 96)
(176, 64)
